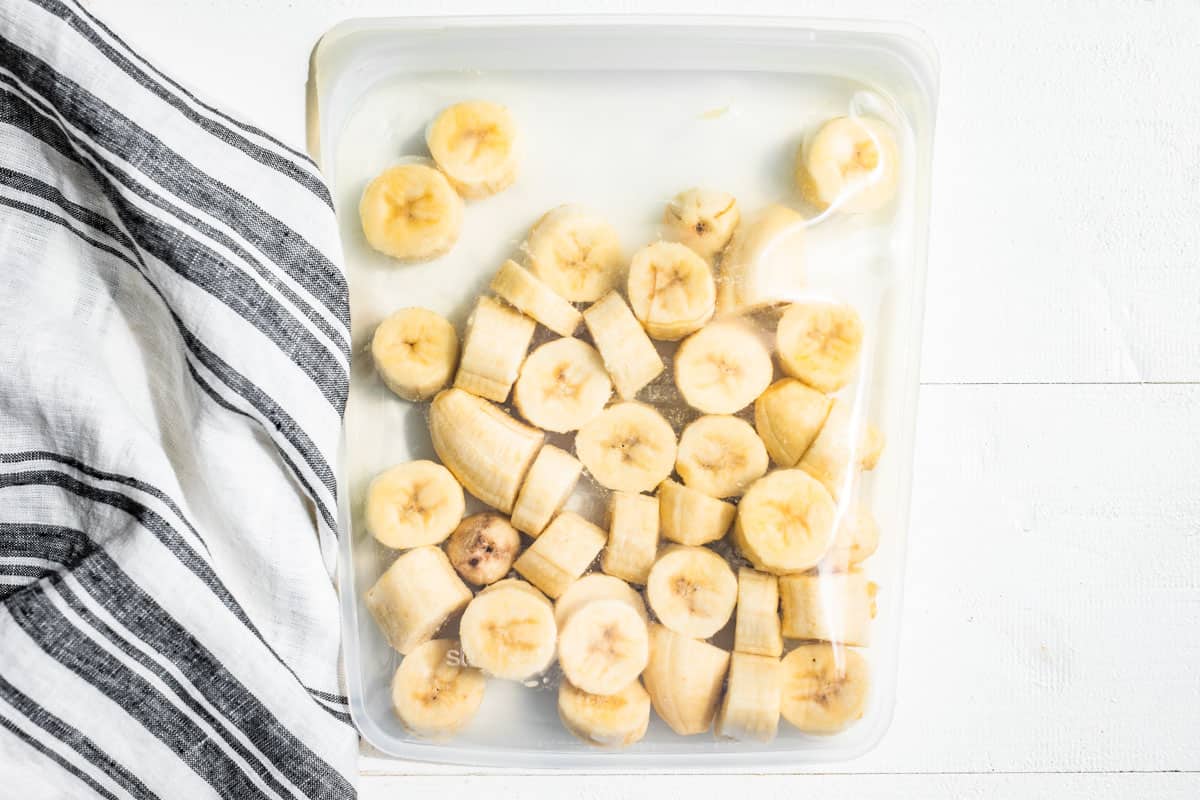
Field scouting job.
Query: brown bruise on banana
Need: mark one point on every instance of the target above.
(694, 595)
(442, 683)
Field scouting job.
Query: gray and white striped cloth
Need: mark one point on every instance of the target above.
(174, 340)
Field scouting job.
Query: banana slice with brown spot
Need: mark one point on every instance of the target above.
(482, 548)
(702, 219)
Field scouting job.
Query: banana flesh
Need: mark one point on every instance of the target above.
(493, 350)
(632, 536)
(750, 710)
(688, 516)
(415, 352)
(825, 687)
(434, 693)
(411, 213)
(684, 678)
(628, 353)
(527, 293)
(417, 593)
(561, 554)
(549, 483)
(413, 504)
(474, 145)
(692, 591)
(508, 631)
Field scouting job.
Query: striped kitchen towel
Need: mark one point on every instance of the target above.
(174, 341)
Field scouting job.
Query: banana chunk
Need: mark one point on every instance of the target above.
(819, 343)
(785, 522)
(614, 720)
(576, 252)
(434, 693)
(487, 450)
(417, 593)
(632, 537)
(684, 679)
(688, 516)
(413, 504)
(508, 631)
(475, 145)
(764, 263)
(628, 447)
(692, 591)
(750, 711)
(851, 161)
(720, 455)
(842, 447)
(549, 483)
(482, 548)
(835, 607)
(628, 353)
(857, 540)
(788, 416)
(756, 630)
(563, 386)
(825, 687)
(702, 219)
(493, 350)
(415, 352)
(521, 289)
(671, 290)
(603, 646)
(411, 213)
(561, 554)
(722, 368)
(592, 588)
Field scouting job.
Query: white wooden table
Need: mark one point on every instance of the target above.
(1052, 612)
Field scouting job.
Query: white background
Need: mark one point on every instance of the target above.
(1052, 612)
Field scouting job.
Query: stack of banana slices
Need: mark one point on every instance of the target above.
(734, 534)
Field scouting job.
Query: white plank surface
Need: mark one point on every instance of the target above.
(1053, 593)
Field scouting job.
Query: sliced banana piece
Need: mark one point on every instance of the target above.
(684, 679)
(413, 504)
(525, 292)
(688, 516)
(615, 720)
(628, 353)
(819, 343)
(671, 290)
(857, 539)
(493, 350)
(475, 145)
(561, 554)
(415, 352)
(508, 631)
(632, 537)
(720, 455)
(628, 447)
(603, 646)
(417, 593)
(434, 693)
(756, 629)
(788, 416)
(834, 607)
(549, 483)
(750, 710)
(576, 252)
(692, 590)
(482, 548)
(702, 219)
(722, 368)
(487, 450)
(592, 588)
(411, 212)
(851, 161)
(764, 263)
(563, 386)
(825, 687)
(785, 522)
(843, 446)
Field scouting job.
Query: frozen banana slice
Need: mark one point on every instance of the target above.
(722, 368)
(475, 145)
(819, 343)
(561, 554)
(508, 631)
(632, 536)
(692, 590)
(843, 446)
(688, 516)
(549, 483)
(411, 213)
(413, 504)
(785, 522)
(825, 687)
(629, 447)
(788, 416)
(757, 628)
(834, 607)
(603, 646)
(750, 710)
(850, 161)
(720, 455)
(702, 219)
(576, 252)
(684, 679)
(615, 720)
(525, 292)
(434, 693)
(417, 593)
(594, 587)
(415, 352)
(493, 350)
(671, 290)
(764, 263)
(628, 353)
(563, 386)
